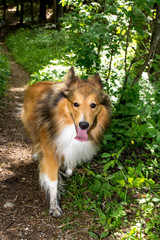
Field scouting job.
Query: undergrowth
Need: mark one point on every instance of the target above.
(120, 188)
(34, 49)
(4, 74)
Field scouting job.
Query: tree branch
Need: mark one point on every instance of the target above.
(126, 53)
(110, 65)
(153, 45)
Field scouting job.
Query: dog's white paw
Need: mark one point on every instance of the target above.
(35, 156)
(69, 172)
(55, 211)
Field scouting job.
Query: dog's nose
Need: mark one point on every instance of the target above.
(83, 125)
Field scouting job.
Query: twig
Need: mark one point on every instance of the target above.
(15, 198)
(82, 230)
(63, 225)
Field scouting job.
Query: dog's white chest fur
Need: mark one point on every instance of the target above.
(74, 151)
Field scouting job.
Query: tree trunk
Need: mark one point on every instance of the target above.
(155, 68)
(59, 14)
(4, 9)
(153, 44)
(42, 10)
(55, 12)
(110, 65)
(31, 9)
(49, 3)
(126, 55)
(17, 8)
(60, 9)
(21, 12)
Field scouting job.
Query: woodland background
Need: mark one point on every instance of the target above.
(120, 40)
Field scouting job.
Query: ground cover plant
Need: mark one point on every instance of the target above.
(4, 74)
(120, 188)
(39, 45)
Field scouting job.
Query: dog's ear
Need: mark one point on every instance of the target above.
(71, 81)
(95, 81)
(106, 101)
(70, 78)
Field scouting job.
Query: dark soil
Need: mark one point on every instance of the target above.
(26, 217)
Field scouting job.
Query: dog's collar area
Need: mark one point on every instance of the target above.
(82, 134)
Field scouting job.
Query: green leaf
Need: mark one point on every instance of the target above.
(104, 234)
(105, 155)
(108, 165)
(121, 182)
(102, 218)
(143, 129)
(108, 137)
(96, 187)
(151, 181)
(153, 132)
(137, 182)
(106, 189)
(119, 153)
(93, 235)
(158, 139)
(148, 128)
(158, 124)
(119, 212)
(130, 180)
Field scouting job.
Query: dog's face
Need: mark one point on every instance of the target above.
(86, 101)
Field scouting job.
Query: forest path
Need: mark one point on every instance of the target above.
(14, 149)
(23, 206)
(11, 128)
(18, 173)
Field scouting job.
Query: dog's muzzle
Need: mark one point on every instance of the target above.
(82, 134)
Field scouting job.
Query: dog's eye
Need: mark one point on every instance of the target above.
(75, 104)
(93, 105)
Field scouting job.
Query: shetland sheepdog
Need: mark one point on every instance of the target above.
(65, 122)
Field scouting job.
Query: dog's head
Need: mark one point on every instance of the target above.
(88, 105)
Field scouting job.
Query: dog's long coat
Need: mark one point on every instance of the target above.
(65, 122)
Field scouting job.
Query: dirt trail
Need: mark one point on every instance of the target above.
(27, 217)
(18, 173)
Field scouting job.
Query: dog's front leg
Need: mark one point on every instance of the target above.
(49, 176)
(51, 187)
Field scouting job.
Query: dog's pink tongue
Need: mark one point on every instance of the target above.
(81, 135)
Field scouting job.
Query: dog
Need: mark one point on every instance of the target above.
(65, 121)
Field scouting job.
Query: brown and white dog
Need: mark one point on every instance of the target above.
(66, 122)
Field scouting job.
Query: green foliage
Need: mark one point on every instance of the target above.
(4, 74)
(150, 226)
(34, 49)
(86, 31)
(122, 187)
(100, 29)
(90, 30)
(53, 72)
(137, 121)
